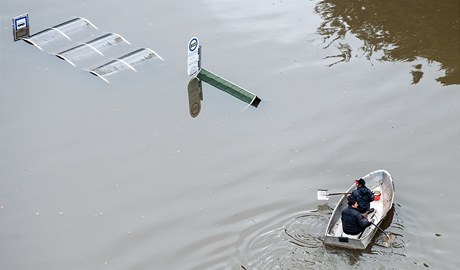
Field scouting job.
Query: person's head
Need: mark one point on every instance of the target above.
(360, 182)
(353, 203)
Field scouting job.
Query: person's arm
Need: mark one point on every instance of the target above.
(371, 195)
(363, 222)
(352, 196)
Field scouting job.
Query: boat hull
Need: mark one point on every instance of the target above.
(379, 180)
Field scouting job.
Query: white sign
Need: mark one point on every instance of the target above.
(21, 22)
(193, 59)
(21, 26)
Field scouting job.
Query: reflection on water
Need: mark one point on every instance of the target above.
(395, 31)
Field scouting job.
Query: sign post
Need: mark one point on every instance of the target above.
(21, 27)
(228, 87)
(194, 57)
(195, 92)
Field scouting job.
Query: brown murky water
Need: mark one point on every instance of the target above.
(97, 175)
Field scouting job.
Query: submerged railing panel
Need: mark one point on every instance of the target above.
(85, 54)
(105, 55)
(62, 35)
(127, 61)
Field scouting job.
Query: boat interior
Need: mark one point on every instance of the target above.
(381, 205)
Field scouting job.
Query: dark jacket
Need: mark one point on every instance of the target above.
(353, 222)
(364, 196)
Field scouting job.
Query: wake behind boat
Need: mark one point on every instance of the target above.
(377, 181)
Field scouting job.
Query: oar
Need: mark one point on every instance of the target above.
(387, 235)
(322, 194)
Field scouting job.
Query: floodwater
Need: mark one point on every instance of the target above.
(97, 175)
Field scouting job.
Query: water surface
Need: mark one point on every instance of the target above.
(118, 175)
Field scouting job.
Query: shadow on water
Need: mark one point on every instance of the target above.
(392, 31)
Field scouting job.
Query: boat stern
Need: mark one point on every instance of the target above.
(345, 242)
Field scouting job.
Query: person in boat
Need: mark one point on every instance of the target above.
(363, 195)
(353, 223)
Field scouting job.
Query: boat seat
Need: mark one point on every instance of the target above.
(371, 215)
(350, 236)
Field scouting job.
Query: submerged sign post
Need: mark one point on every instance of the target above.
(195, 93)
(20, 26)
(193, 59)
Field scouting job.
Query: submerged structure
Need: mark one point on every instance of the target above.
(103, 56)
(195, 92)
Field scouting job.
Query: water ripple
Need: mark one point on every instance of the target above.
(288, 244)
(296, 242)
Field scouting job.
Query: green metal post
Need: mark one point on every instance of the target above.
(228, 87)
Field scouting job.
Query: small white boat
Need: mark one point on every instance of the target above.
(377, 181)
